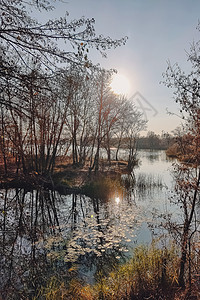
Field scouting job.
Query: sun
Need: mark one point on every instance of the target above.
(120, 84)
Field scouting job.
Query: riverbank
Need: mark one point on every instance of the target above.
(66, 178)
(151, 273)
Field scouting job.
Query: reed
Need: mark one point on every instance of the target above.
(152, 273)
(148, 181)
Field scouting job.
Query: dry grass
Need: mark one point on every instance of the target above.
(150, 274)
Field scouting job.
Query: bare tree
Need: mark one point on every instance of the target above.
(186, 91)
(31, 78)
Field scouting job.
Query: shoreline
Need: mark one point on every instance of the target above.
(67, 181)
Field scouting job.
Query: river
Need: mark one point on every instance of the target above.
(43, 233)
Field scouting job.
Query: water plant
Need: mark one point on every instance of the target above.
(151, 273)
(148, 181)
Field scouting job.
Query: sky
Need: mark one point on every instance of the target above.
(158, 31)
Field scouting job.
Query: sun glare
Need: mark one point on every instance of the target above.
(117, 200)
(120, 84)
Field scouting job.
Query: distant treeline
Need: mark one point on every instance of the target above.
(155, 141)
(152, 141)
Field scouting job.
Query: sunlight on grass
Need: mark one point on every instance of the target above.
(150, 272)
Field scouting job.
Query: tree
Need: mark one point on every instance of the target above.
(120, 127)
(25, 41)
(186, 91)
(79, 119)
(33, 100)
(134, 123)
(102, 107)
(153, 140)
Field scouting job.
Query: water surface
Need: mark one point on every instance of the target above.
(43, 233)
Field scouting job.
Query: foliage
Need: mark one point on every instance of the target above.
(173, 151)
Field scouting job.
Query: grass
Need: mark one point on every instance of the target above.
(150, 274)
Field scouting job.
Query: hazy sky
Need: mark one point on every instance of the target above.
(157, 30)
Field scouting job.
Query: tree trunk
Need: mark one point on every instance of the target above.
(185, 236)
(181, 280)
(2, 139)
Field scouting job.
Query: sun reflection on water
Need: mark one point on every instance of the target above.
(117, 200)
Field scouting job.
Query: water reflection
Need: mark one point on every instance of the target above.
(25, 218)
(100, 227)
(43, 233)
(117, 200)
